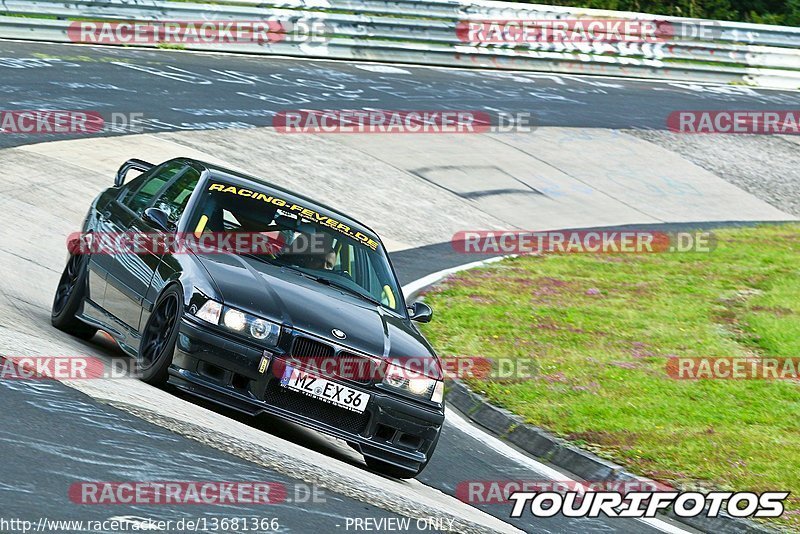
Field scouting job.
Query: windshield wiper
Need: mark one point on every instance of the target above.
(334, 283)
(320, 279)
(262, 258)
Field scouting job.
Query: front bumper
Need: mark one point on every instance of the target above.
(233, 373)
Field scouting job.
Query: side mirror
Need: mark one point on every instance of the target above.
(421, 312)
(136, 164)
(158, 219)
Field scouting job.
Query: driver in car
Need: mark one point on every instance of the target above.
(326, 261)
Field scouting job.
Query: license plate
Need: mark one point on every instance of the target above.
(324, 390)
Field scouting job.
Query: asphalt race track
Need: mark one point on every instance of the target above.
(58, 435)
(55, 427)
(187, 91)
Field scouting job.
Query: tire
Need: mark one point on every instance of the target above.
(399, 472)
(69, 296)
(158, 338)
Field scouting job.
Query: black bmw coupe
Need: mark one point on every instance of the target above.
(260, 299)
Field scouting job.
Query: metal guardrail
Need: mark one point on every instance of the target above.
(425, 32)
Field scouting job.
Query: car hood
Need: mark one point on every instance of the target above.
(298, 302)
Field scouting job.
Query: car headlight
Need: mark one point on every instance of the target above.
(240, 322)
(438, 392)
(415, 383)
(234, 319)
(210, 312)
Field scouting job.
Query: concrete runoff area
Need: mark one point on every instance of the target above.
(418, 190)
(766, 166)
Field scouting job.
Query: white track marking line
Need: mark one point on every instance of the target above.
(456, 420)
(413, 287)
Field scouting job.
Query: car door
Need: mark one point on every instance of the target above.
(112, 220)
(128, 274)
(173, 201)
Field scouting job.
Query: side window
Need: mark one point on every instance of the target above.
(137, 200)
(173, 201)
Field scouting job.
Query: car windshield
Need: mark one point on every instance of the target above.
(299, 237)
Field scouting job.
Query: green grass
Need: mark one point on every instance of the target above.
(601, 328)
(171, 46)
